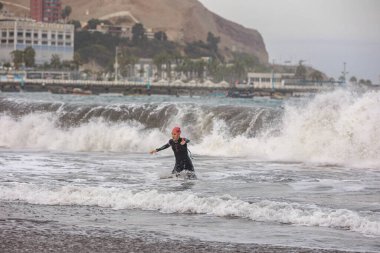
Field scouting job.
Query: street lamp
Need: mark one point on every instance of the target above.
(116, 64)
(273, 75)
(344, 73)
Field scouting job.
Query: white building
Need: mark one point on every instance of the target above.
(45, 38)
(118, 30)
(268, 80)
(144, 68)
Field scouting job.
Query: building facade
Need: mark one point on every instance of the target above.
(268, 80)
(45, 38)
(46, 10)
(117, 30)
(36, 10)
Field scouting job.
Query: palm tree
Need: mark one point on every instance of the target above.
(141, 71)
(138, 34)
(55, 61)
(239, 70)
(127, 62)
(29, 56)
(66, 12)
(181, 66)
(300, 71)
(212, 67)
(18, 58)
(316, 75)
(162, 59)
(77, 60)
(353, 79)
(200, 69)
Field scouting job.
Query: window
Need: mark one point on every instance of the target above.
(28, 42)
(60, 43)
(35, 42)
(4, 34)
(3, 41)
(68, 36)
(68, 44)
(28, 35)
(20, 34)
(11, 34)
(20, 41)
(53, 36)
(53, 43)
(60, 36)
(44, 42)
(11, 41)
(35, 35)
(44, 35)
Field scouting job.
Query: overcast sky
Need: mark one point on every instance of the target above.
(325, 33)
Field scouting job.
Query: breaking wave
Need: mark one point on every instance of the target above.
(186, 202)
(337, 127)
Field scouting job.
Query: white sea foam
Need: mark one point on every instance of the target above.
(338, 127)
(332, 184)
(40, 131)
(186, 202)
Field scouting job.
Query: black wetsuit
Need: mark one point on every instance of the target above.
(182, 159)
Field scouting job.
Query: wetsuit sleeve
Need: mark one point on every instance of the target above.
(186, 140)
(163, 147)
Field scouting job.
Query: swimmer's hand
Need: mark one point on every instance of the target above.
(183, 142)
(153, 152)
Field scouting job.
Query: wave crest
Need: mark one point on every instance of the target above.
(185, 202)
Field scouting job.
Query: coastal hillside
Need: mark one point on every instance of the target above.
(183, 21)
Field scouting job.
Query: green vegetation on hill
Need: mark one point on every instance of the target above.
(96, 46)
(101, 48)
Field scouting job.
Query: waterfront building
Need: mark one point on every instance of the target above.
(45, 10)
(146, 69)
(268, 80)
(45, 38)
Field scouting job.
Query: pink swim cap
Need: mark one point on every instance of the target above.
(176, 130)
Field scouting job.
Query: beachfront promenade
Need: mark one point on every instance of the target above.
(160, 87)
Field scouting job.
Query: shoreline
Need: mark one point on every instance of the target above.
(19, 235)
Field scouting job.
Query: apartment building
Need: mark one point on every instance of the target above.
(45, 38)
(45, 10)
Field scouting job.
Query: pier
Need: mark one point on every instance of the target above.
(177, 88)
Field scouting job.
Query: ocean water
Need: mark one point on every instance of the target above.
(297, 172)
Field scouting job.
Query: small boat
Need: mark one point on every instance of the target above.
(79, 91)
(240, 94)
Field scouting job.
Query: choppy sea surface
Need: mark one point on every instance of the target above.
(298, 172)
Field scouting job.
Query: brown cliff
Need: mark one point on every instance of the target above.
(182, 20)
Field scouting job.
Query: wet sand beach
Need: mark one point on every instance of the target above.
(20, 236)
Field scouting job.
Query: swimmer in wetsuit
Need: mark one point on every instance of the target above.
(182, 159)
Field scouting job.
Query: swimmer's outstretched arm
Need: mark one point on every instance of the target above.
(159, 149)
